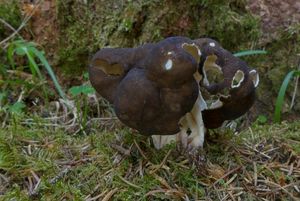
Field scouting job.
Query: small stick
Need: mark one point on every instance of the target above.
(162, 163)
(282, 188)
(255, 173)
(140, 150)
(296, 87)
(263, 154)
(22, 25)
(129, 183)
(109, 194)
(227, 174)
(60, 175)
(121, 149)
(231, 179)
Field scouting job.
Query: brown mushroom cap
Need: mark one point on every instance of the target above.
(152, 86)
(109, 66)
(169, 64)
(236, 91)
(142, 105)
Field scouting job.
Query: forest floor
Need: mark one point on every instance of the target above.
(79, 151)
(53, 158)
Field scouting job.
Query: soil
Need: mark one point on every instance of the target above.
(275, 14)
(43, 24)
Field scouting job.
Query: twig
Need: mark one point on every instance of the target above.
(140, 150)
(162, 163)
(96, 197)
(296, 86)
(109, 195)
(75, 162)
(121, 149)
(231, 196)
(255, 173)
(168, 192)
(162, 181)
(27, 18)
(282, 188)
(60, 175)
(227, 174)
(231, 180)
(129, 183)
(9, 26)
(254, 149)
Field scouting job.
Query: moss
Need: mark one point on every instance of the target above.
(273, 67)
(91, 169)
(96, 24)
(10, 13)
(231, 24)
(285, 132)
(15, 193)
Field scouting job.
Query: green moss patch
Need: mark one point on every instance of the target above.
(48, 164)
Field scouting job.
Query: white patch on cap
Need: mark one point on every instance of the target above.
(170, 53)
(211, 68)
(212, 44)
(193, 50)
(169, 64)
(237, 79)
(198, 50)
(254, 77)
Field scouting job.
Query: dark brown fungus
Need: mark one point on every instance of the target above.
(174, 86)
(152, 86)
(237, 89)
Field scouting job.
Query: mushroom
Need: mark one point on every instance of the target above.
(153, 88)
(176, 86)
(235, 92)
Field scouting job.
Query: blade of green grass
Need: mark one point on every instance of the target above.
(22, 48)
(249, 52)
(33, 65)
(50, 71)
(281, 94)
(10, 54)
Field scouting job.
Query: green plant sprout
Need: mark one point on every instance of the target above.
(22, 48)
(84, 90)
(249, 52)
(281, 94)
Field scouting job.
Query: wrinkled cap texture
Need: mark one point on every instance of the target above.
(234, 92)
(151, 87)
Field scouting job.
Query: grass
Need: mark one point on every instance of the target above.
(249, 53)
(22, 48)
(40, 162)
(281, 94)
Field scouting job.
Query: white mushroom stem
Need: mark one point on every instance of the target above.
(160, 141)
(191, 121)
(194, 120)
(196, 124)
